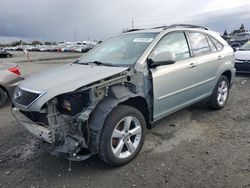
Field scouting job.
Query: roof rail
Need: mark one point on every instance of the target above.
(131, 30)
(170, 26)
(186, 25)
(159, 27)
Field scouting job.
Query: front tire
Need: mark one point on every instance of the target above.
(122, 136)
(3, 97)
(220, 94)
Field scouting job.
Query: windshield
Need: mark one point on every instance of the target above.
(246, 46)
(123, 50)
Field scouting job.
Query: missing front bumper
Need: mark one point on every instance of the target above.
(72, 147)
(38, 131)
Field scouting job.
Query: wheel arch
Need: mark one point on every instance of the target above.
(118, 94)
(140, 104)
(228, 74)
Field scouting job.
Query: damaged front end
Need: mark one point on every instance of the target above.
(58, 126)
(70, 124)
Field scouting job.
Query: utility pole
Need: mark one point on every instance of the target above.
(75, 35)
(132, 23)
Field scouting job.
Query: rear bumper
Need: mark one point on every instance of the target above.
(38, 131)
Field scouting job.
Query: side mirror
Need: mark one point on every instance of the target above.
(162, 58)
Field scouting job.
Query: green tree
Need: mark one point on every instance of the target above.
(36, 42)
(47, 43)
(225, 33)
(242, 28)
(16, 43)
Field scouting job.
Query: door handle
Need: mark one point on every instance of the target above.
(220, 57)
(191, 65)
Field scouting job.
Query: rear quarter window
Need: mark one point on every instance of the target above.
(211, 45)
(218, 45)
(199, 43)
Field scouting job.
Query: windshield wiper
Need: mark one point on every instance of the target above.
(99, 63)
(76, 62)
(79, 63)
(95, 62)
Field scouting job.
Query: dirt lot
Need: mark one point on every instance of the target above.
(195, 147)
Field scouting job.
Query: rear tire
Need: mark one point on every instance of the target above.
(3, 97)
(220, 94)
(122, 136)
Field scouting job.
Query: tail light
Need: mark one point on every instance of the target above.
(15, 70)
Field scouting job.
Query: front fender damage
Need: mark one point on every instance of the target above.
(77, 137)
(117, 94)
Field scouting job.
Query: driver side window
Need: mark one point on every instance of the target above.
(174, 42)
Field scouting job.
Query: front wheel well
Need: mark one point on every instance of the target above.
(140, 104)
(228, 74)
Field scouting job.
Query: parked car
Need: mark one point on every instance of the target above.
(236, 46)
(4, 53)
(78, 49)
(242, 59)
(44, 48)
(103, 103)
(10, 77)
(86, 49)
(241, 38)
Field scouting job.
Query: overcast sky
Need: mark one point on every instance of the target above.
(60, 20)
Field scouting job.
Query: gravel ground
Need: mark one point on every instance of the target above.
(194, 147)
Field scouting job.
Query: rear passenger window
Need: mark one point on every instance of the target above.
(211, 45)
(176, 43)
(218, 45)
(199, 43)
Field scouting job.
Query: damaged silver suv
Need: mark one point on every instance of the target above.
(103, 102)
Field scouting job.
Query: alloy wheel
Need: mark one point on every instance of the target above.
(222, 93)
(126, 137)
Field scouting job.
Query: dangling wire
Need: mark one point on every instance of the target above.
(69, 169)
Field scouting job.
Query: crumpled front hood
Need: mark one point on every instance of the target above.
(69, 77)
(65, 79)
(242, 55)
